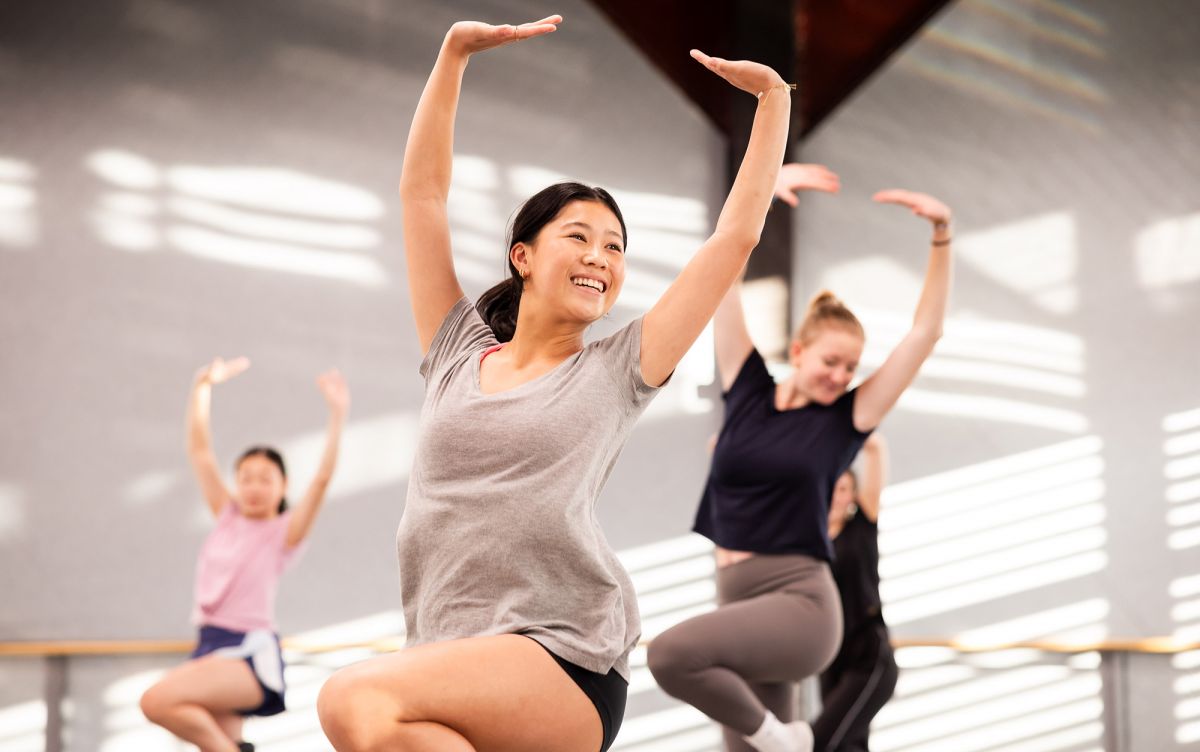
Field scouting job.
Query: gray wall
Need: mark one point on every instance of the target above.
(1046, 461)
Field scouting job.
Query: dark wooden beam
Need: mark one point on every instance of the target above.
(842, 42)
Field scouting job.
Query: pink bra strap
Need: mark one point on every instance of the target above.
(489, 351)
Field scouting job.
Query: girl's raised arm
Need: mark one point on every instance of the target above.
(337, 396)
(199, 436)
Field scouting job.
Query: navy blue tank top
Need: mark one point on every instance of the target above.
(773, 471)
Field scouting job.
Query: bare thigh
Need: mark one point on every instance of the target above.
(501, 693)
(221, 685)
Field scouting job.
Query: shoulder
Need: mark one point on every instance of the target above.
(462, 330)
(753, 376)
(843, 407)
(621, 354)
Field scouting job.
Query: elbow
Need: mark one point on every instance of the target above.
(741, 240)
(748, 242)
(929, 333)
(410, 188)
(411, 196)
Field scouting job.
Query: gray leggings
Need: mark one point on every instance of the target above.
(779, 620)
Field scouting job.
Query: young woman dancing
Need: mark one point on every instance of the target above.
(863, 676)
(520, 618)
(766, 503)
(236, 669)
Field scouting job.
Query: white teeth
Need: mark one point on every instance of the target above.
(592, 283)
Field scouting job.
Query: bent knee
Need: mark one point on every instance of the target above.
(672, 660)
(355, 716)
(155, 704)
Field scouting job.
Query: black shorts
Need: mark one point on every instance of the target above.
(261, 650)
(608, 692)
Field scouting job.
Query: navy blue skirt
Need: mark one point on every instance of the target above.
(260, 649)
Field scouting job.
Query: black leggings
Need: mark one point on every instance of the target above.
(854, 688)
(608, 692)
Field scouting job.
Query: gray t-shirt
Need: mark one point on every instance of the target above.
(499, 533)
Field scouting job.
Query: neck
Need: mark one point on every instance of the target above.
(540, 337)
(788, 396)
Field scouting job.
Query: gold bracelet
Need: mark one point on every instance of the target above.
(764, 92)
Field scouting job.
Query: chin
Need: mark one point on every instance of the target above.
(592, 314)
(827, 399)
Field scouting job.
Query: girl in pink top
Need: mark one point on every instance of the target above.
(236, 669)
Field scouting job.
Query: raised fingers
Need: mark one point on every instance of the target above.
(712, 63)
(896, 196)
(220, 370)
(538, 28)
(812, 177)
(921, 204)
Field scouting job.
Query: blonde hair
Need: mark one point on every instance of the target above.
(826, 310)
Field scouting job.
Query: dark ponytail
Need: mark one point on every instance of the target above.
(499, 305)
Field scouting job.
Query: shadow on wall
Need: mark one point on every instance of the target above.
(1181, 446)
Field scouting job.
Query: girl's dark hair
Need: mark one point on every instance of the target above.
(498, 306)
(272, 455)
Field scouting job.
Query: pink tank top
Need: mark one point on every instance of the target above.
(238, 571)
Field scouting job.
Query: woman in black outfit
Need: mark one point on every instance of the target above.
(862, 677)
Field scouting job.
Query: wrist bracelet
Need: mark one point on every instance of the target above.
(942, 242)
(764, 92)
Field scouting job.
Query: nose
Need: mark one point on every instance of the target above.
(593, 257)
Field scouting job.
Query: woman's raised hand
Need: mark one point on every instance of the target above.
(921, 204)
(748, 76)
(334, 390)
(804, 177)
(221, 370)
(469, 37)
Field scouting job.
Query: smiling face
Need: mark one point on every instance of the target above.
(824, 367)
(575, 267)
(261, 485)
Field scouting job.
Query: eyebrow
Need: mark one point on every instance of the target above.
(588, 227)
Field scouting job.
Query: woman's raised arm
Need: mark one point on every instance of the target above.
(428, 158)
(733, 343)
(879, 393)
(677, 319)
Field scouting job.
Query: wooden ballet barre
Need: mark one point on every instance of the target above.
(1150, 645)
(156, 647)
